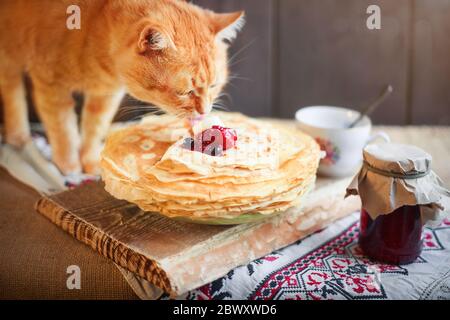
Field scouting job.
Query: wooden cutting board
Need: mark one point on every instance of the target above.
(179, 256)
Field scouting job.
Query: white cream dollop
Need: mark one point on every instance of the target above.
(205, 122)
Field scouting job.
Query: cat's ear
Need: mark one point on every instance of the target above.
(154, 38)
(227, 25)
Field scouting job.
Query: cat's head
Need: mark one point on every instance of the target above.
(177, 56)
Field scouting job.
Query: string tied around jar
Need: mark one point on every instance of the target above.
(399, 175)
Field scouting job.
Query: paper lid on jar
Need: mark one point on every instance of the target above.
(394, 175)
(397, 159)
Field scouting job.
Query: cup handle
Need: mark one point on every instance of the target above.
(379, 135)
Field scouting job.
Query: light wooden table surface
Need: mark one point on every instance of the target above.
(434, 140)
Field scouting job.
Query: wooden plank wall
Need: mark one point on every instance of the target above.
(430, 78)
(320, 52)
(251, 56)
(294, 53)
(328, 55)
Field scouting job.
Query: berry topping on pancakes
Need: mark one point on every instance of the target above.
(213, 141)
(229, 136)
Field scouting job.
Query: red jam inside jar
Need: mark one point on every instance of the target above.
(395, 238)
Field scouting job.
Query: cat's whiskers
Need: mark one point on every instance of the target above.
(147, 114)
(237, 53)
(140, 116)
(238, 77)
(226, 95)
(126, 111)
(218, 103)
(220, 108)
(232, 84)
(127, 116)
(237, 62)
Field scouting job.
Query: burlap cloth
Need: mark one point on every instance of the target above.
(35, 254)
(41, 244)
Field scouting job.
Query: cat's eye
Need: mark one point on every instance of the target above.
(214, 85)
(185, 93)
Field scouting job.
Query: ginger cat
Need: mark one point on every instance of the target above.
(166, 52)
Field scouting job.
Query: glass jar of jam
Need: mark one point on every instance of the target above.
(394, 238)
(399, 194)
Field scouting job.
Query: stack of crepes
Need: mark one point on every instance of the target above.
(270, 169)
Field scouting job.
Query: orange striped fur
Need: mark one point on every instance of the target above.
(165, 52)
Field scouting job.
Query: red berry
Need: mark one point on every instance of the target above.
(212, 141)
(229, 137)
(210, 136)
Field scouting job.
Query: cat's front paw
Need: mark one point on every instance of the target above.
(91, 167)
(17, 139)
(68, 167)
(90, 160)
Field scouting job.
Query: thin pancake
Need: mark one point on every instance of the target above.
(269, 170)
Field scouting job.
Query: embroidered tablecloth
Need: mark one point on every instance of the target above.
(330, 265)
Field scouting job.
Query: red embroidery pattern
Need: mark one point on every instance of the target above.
(336, 270)
(330, 271)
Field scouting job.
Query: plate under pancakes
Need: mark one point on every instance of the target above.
(270, 170)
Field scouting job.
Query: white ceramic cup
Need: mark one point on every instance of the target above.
(343, 146)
